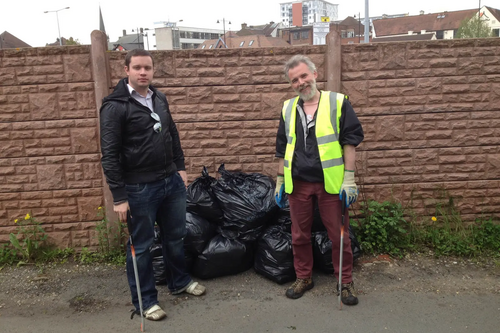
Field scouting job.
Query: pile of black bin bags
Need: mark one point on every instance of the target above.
(233, 223)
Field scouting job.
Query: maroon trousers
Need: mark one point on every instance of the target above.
(301, 212)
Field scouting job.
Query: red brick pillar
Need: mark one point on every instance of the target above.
(102, 84)
(333, 61)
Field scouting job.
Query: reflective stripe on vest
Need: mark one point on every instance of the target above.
(327, 136)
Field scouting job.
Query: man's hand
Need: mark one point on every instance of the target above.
(121, 210)
(279, 191)
(349, 188)
(184, 177)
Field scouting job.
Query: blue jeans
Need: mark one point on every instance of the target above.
(163, 201)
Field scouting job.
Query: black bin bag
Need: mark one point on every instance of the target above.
(247, 201)
(201, 200)
(158, 265)
(274, 255)
(282, 216)
(223, 255)
(322, 250)
(199, 233)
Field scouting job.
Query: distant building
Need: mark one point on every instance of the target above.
(443, 24)
(352, 30)
(234, 41)
(9, 41)
(172, 37)
(270, 30)
(298, 35)
(492, 17)
(306, 12)
(405, 38)
(128, 42)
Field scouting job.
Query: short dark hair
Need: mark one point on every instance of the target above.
(137, 53)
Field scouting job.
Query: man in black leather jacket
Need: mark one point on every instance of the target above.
(144, 167)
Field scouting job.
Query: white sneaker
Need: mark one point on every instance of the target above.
(195, 289)
(155, 313)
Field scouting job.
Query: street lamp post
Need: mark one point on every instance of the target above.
(359, 27)
(57, 17)
(224, 28)
(140, 32)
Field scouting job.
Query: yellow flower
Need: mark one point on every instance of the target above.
(15, 221)
(434, 218)
(27, 217)
(99, 207)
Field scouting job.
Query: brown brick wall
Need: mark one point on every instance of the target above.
(49, 156)
(226, 103)
(431, 115)
(429, 109)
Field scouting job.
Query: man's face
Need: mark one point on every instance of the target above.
(303, 81)
(140, 73)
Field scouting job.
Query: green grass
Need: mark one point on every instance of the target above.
(388, 227)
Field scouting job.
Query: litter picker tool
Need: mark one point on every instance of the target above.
(137, 283)
(342, 209)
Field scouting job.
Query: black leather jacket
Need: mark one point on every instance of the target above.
(132, 152)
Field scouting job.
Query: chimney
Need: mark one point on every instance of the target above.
(124, 32)
(421, 12)
(243, 26)
(410, 32)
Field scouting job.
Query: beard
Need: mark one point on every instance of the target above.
(312, 91)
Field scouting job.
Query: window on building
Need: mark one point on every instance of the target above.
(251, 42)
(196, 35)
(350, 34)
(183, 34)
(185, 46)
(203, 46)
(304, 35)
(439, 34)
(296, 35)
(211, 45)
(242, 43)
(214, 36)
(343, 34)
(496, 32)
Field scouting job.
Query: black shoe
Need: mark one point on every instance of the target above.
(349, 294)
(299, 287)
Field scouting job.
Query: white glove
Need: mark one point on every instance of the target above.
(349, 188)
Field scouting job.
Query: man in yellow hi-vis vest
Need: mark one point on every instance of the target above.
(315, 144)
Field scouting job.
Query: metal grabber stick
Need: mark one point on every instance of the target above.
(137, 283)
(342, 209)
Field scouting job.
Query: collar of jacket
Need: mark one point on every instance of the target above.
(121, 92)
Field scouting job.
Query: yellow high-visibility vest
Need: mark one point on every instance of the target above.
(327, 135)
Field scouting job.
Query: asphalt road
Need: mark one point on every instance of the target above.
(231, 308)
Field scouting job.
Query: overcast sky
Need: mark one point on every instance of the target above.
(26, 19)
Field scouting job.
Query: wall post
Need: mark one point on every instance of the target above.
(102, 84)
(333, 67)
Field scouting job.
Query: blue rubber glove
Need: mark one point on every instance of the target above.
(279, 191)
(349, 189)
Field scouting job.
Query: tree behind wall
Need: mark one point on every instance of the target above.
(474, 28)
